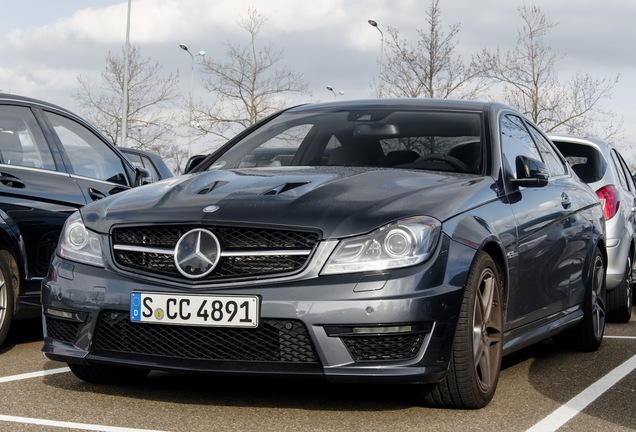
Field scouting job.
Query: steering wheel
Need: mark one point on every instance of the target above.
(450, 160)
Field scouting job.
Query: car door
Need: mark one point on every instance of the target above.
(550, 229)
(36, 192)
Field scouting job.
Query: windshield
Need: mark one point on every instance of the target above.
(433, 140)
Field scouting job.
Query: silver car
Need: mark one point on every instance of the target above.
(601, 165)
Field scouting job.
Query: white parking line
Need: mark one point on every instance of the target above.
(33, 374)
(54, 423)
(578, 403)
(619, 337)
(70, 425)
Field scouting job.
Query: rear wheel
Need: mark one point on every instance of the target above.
(588, 335)
(476, 357)
(104, 374)
(619, 300)
(8, 285)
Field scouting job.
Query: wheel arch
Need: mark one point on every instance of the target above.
(11, 241)
(498, 255)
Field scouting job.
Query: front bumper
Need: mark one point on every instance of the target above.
(308, 326)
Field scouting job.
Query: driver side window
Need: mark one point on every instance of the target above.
(89, 156)
(516, 141)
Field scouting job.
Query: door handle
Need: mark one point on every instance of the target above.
(11, 181)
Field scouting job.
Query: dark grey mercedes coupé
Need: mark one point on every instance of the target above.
(396, 241)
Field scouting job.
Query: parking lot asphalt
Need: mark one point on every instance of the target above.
(541, 388)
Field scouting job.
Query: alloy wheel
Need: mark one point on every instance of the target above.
(487, 331)
(598, 298)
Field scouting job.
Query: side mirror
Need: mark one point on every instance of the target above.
(143, 177)
(193, 162)
(530, 172)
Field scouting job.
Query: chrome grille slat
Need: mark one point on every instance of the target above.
(245, 251)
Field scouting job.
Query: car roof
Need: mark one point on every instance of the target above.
(580, 139)
(403, 103)
(8, 97)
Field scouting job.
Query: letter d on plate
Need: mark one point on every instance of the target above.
(135, 307)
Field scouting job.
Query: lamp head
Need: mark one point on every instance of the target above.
(183, 46)
(373, 23)
(329, 88)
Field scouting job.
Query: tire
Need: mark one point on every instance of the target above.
(475, 362)
(619, 300)
(588, 335)
(8, 292)
(111, 375)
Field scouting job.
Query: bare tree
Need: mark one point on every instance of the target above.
(430, 68)
(530, 83)
(247, 86)
(150, 118)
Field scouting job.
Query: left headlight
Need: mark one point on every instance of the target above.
(79, 244)
(402, 243)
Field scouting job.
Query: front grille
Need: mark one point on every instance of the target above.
(383, 347)
(248, 252)
(61, 329)
(283, 341)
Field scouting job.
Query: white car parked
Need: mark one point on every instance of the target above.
(601, 165)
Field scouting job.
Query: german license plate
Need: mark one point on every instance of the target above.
(200, 310)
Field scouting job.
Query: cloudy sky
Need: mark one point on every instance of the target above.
(45, 45)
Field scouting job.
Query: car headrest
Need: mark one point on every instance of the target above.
(10, 148)
(585, 172)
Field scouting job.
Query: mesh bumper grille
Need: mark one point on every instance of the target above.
(376, 348)
(60, 329)
(284, 341)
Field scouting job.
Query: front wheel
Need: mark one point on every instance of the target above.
(8, 283)
(477, 349)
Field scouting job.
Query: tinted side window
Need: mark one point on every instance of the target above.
(516, 140)
(556, 165)
(21, 140)
(628, 174)
(147, 163)
(88, 155)
(622, 178)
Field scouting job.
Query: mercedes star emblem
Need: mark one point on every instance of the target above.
(197, 253)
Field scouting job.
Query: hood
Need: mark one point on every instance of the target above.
(338, 201)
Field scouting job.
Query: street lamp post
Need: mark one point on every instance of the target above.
(124, 107)
(374, 23)
(335, 95)
(190, 119)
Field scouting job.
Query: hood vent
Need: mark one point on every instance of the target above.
(284, 188)
(211, 187)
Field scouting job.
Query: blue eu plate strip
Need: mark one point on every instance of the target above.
(135, 306)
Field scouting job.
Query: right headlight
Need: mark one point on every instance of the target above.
(402, 243)
(79, 244)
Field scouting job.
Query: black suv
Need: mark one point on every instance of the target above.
(51, 163)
